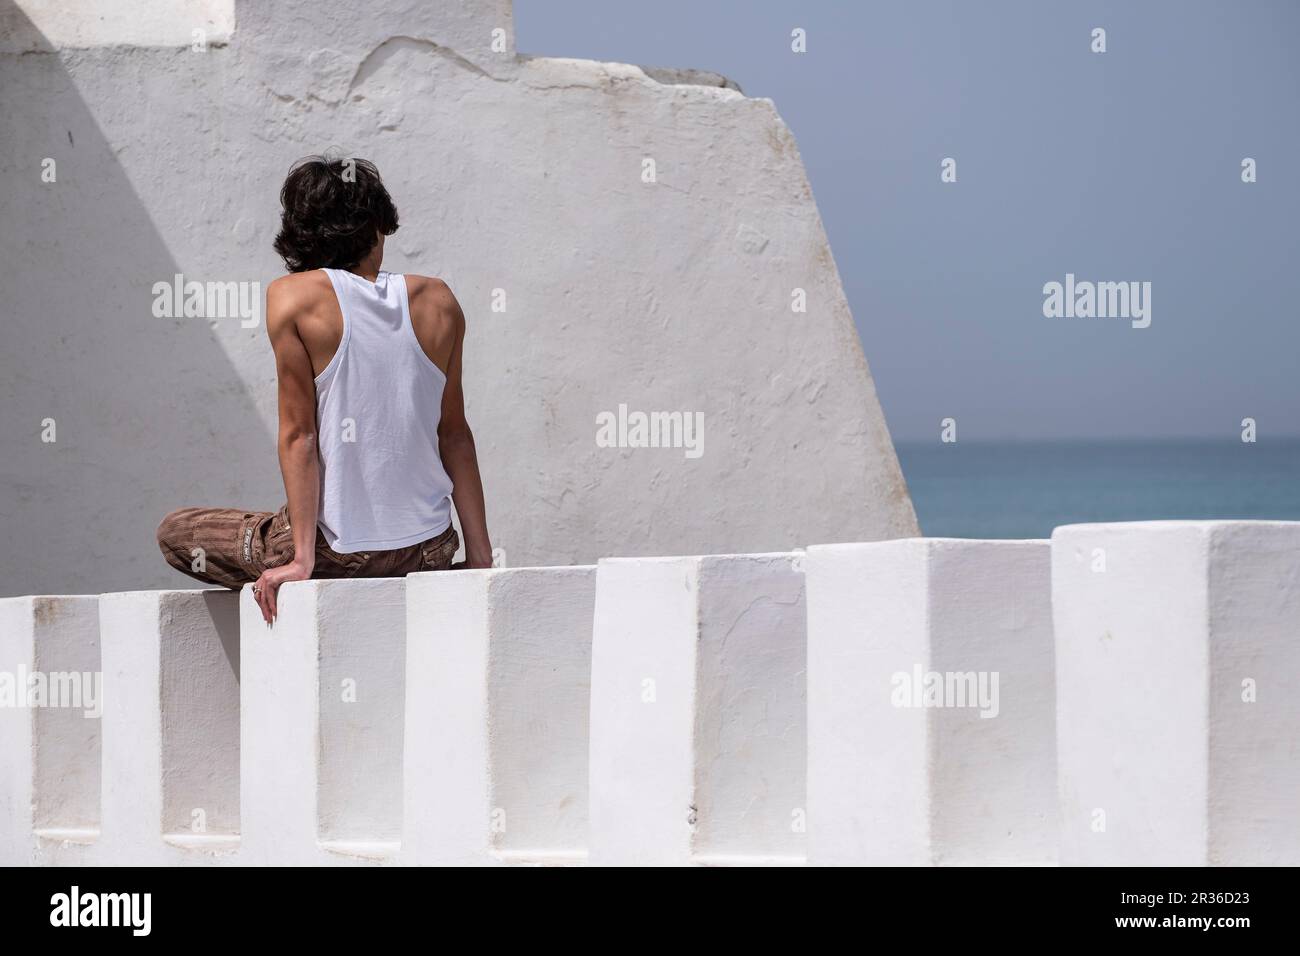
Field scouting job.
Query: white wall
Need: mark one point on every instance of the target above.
(1158, 657)
(519, 174)
(88, 23)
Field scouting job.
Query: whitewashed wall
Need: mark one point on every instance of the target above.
(511, 173)
(659, 711)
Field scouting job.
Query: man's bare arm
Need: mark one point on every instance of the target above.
(456, 448)
(299, 462)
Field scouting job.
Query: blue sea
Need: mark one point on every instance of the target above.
(1025, 489)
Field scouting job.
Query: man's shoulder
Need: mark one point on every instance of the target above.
(431, 295)
(300, 286)
(430, 287)
(295, 296)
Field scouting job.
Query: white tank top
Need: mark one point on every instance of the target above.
(378, 403)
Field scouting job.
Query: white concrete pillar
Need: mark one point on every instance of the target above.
(697, 711)
(171, 726)
(930, 703)
(1178, 673)
(50, 701)
(498, 685)
(321, 731)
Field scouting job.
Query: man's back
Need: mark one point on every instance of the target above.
(309, 301)
(378, 404)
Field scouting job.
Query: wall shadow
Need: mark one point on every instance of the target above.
(81, 346)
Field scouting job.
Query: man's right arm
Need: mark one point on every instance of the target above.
(456, 447)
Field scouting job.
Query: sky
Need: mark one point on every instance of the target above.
(1122, 166)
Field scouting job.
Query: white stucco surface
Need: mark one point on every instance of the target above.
(697, 711)
(519, 180)
(498, 677)
(1159, 689)
(171, 737)
(322, 697)
(49, 756)
(1177, 703)
(72, 24)
(953, 781)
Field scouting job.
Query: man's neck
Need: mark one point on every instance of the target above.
(367, 268)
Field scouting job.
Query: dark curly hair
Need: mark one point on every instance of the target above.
(332, 209)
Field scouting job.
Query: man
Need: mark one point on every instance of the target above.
(373, 442)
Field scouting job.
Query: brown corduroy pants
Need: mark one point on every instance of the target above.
(231, 548)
